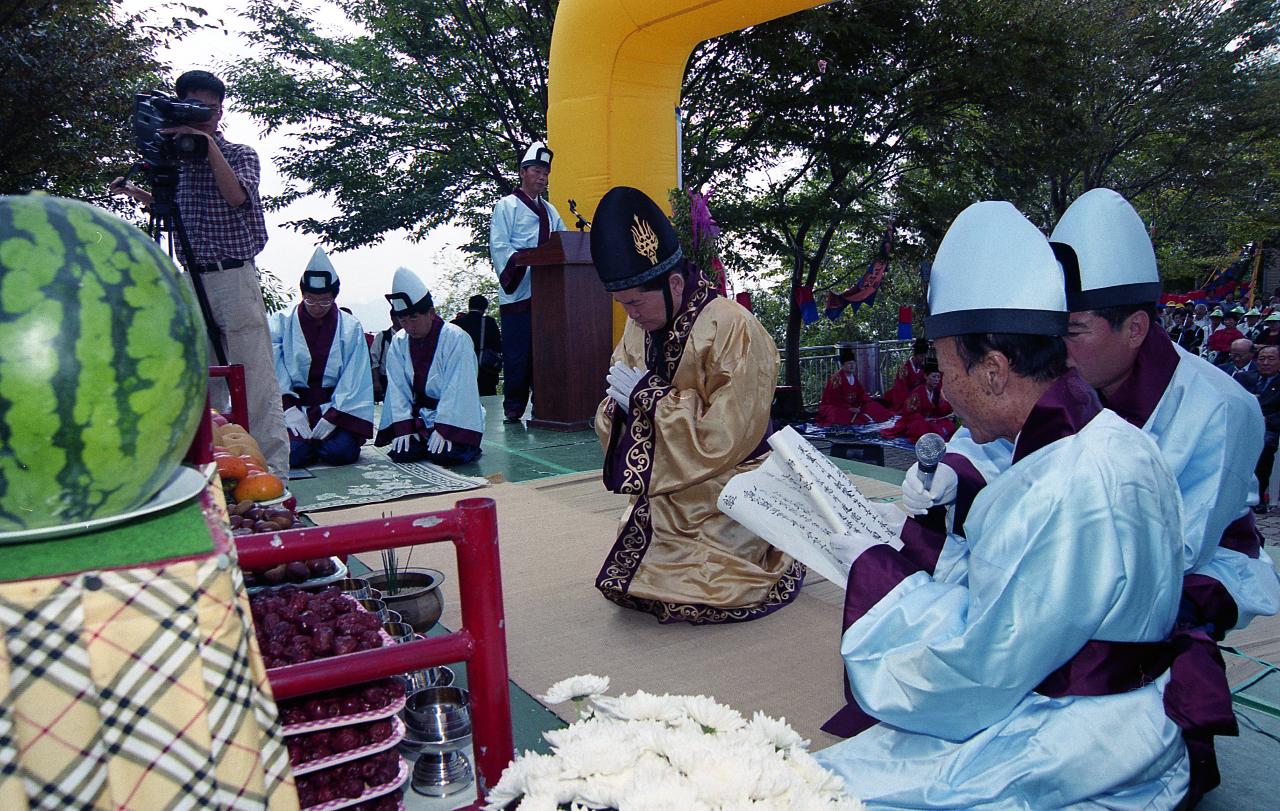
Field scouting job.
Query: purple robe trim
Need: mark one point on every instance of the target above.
(970, 484)
(459, 436)
(319, 334)
(512, 274)
(1065, 407)
(422, 352)
(1242, 536)
(874, 574)
(1137, 397)
(923, 537)
(1212, 603)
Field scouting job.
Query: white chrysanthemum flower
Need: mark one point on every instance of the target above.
(556, 788)
(772, 778)
(515, 778)
(640, 706)
(719, 780)
(685, 747)
(814, 774)
(576, 688)
(776, 732)
(657, 787)
(606, 754)
(603, 790)
(712, 715)
(537, 802)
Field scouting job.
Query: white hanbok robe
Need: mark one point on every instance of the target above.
(1209, 431)
(515, 227)
(431, 386)
(343, 392)
(950, 663)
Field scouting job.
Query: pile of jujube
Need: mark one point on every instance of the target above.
(295, 626)
(383, 802)
(304, 749)
(346, 781)
(340, 703)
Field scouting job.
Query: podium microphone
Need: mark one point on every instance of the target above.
(582, 223)
(930, 449)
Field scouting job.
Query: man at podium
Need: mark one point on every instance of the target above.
(520, 220)
(686, 410)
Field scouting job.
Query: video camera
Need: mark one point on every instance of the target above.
(154, 111)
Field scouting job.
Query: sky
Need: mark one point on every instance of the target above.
(365, 272)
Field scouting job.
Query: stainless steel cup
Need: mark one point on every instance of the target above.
(356, 587)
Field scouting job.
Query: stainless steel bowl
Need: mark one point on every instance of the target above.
(375, 607)
(357, 587)
(438, 719)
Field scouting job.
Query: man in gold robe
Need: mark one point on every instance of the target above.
(687, 409)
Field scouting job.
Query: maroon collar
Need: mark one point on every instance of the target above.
(318, 333)
(1065, 407)
(422, 351)
(1153, 368)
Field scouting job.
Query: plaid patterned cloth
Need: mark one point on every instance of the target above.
(216, 230)
(137, 688)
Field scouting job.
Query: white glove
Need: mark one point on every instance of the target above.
(622, 381)
(847, 548)
(323, 429)
(437, 443)
(401, 443)
(942, 491)
(296, 422)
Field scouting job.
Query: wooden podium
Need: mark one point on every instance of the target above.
(572, 332)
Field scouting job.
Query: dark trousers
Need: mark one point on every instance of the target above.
(457, 454)
(517, 362)
(339, 448)
(1265, 463)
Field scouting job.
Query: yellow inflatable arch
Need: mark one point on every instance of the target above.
(614, 84)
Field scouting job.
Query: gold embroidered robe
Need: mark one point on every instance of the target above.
(677, 556)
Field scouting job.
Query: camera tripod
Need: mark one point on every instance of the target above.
(165, 216)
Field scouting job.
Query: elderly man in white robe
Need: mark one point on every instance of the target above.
(432, 409)
(1207, 428)
(322, 366)
(998, 681)
(522, 219)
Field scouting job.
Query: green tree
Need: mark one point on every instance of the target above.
(416, 121)
(68, 73)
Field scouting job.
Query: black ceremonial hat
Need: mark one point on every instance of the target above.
(632, 241)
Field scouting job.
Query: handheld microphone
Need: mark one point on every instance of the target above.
(930, 449)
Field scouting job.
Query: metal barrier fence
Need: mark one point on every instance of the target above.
(818, 363)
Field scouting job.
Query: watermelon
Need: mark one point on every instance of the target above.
(103, 364)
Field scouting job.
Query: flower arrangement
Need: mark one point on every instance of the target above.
(641, 751)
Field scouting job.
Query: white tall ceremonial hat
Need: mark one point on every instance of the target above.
(319, 276)
(536, 154)
(408, 293)
(1106, 253)
(995, 272)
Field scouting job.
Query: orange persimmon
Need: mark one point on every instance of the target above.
(259, 487)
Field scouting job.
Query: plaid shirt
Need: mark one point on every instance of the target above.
(216, 230)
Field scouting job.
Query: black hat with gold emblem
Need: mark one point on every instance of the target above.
(632, 241)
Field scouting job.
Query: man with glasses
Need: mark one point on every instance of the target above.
(1240, 363)
(322, 365)
(218, 202)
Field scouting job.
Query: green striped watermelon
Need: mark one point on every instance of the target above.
(103, 365)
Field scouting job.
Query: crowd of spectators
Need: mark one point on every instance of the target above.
(1245, 344)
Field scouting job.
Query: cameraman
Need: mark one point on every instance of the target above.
(217, 200)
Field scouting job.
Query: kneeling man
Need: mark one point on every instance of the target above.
(1032, 671)
(432, 407)
(322, 366)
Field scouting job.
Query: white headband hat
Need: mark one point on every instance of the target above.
(408, 293)
(995, 272)
(536, 154)
(1106, 253)
(319, 276)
